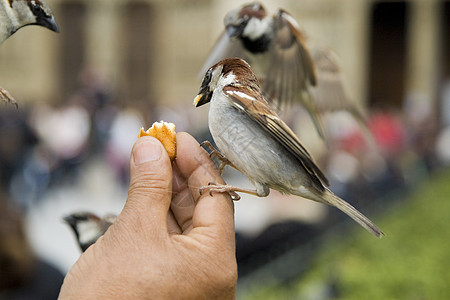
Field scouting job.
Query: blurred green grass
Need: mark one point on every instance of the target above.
(411, 262)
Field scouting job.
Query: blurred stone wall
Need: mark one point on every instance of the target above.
(152, 50)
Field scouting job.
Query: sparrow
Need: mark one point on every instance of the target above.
(290, 67)
(15, 14)
(253, 139)
(88, 227)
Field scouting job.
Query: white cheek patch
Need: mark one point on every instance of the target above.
(88, 231)
(215, 78)
(256, 28)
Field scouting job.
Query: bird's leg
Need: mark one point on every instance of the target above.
(216, 153)
(6, 96)
(224, 188)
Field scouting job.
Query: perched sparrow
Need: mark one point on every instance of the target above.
(254, 140)
(287, 68)
(88, 227)
(15, 14)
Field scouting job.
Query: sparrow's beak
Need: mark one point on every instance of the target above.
(233, 30)
(70, 220)
(197, 99)
(235, 24)
(202, 98)
(204, 95)
(49, 23)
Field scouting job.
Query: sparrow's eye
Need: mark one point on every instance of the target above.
(37, 10)
(207, 78)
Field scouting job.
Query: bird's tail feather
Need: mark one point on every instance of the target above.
(331, 199)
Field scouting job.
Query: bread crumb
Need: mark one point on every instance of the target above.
(165, 133)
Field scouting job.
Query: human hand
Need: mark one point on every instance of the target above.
(168, 242)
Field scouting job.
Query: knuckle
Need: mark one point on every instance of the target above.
(149, 182)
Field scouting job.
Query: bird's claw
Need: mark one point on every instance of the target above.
(6, 97)
(213, 187)
(216, 153)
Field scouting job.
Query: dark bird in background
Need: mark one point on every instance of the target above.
(88, 227)
(15, 14)
(290, 67)
(252, 138)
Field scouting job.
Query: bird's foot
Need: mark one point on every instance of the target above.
(216, 153)
(220, 188)
(224, 188)
(6, 97)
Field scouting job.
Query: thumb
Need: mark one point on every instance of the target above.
(150, 190)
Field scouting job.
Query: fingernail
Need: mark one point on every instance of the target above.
(147, 149)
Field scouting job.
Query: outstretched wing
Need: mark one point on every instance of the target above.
(330, 93)
(225, 47)
(291, 72)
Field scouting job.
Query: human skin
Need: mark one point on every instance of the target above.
(169, 242)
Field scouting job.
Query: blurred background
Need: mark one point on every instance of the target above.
(119, 65)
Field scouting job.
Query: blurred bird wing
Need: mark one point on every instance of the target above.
(330, 93)
(251, 103)
(291, 68)
(225, 47)
(291, 72)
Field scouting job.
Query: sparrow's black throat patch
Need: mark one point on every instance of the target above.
(259, 45)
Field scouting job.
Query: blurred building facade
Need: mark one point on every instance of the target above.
(152, 50)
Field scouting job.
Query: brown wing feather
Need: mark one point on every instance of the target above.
(306, 58)
(289, 54)
(330, 91)
(291, 73)
(249, 101)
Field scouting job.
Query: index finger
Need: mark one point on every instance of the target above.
(216, 211)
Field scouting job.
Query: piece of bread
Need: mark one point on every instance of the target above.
(165, 133)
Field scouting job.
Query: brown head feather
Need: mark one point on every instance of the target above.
(241, 69)
(253, 10)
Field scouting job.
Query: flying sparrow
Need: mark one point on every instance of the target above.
(88, 228)
(255, 141)
(15, 14)
(289, 68)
